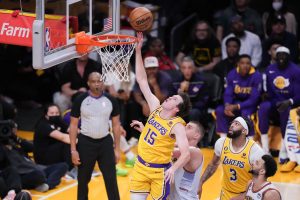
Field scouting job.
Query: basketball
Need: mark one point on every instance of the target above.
(141, 19)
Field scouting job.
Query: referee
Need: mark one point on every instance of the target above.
(95, 109)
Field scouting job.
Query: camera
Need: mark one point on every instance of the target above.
(6, 129)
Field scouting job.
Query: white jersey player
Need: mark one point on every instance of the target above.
(259, 188)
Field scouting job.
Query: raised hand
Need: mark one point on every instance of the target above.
(140, 38)
(137, 125)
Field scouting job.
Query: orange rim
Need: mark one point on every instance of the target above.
(84, 43)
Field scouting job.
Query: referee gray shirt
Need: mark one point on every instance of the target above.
(95, 113)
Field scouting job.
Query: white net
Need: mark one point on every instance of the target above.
(115, 57)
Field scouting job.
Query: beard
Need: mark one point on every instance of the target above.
(253, 172)
(234, 134)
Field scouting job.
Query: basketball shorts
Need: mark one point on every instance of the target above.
(150, 178)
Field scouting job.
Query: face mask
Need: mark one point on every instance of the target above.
(277, 5)
(55, 119)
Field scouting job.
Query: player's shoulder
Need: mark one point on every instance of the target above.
(272, 194)
(220, 141)
(219, 145)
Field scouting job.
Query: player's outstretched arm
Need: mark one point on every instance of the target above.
(183, 146)
(209, 171)
(141, 76)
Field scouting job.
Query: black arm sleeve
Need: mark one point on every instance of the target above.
(75, 111)
(115, 104)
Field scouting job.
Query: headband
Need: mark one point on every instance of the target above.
(243, 123)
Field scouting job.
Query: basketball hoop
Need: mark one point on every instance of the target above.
(114, 50)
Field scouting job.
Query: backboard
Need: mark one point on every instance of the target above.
(97, 17)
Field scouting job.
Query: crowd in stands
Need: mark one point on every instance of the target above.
(241, 63)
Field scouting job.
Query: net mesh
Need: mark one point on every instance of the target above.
(115, 57)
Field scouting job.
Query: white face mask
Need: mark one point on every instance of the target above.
(277, 5)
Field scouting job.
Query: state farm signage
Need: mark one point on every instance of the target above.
(16, 28)
(14, 31)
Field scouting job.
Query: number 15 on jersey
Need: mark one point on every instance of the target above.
(150, 137)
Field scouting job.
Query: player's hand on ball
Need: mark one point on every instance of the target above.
(170, 175)
(75, 158)
(137, 125)
(140, 40)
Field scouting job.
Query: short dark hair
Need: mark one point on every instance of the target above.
(244, 56)
(185, 106)
(233, 39)
(270, 165)
(270, 42)
(47, 106)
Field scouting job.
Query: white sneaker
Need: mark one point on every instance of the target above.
(72, 174)
(96, 173)
(42, 188)
(133, 142)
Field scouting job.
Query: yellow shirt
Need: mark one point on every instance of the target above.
(236, 167)
(156, 143)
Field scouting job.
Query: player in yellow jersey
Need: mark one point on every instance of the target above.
(236, 153)
(153, 171)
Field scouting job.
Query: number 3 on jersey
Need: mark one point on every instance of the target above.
(233, 176)
(150, 137)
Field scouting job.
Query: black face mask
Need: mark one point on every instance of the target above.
(55, 119)
(234, 134)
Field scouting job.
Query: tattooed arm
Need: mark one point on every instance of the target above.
(209, 171)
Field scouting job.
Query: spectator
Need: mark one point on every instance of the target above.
(156, 48)
(250, 42)
(10, 181)
(51, 139)
(271, 46)
(203, 47)
(191, 82)
(283, 86)
(74, 80)
(250, 18)
(122, 91)
(241, 95)
(279, 7)
(40, 178)
(278, 33)
(233, 45)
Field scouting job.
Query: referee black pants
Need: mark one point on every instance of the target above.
(101, 150)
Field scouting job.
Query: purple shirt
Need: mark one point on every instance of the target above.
(244, 90)
(283, 84)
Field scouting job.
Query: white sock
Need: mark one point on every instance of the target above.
(222, 135)
(123, 144)
(129, 155)
(265, 142)
(283, 151)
